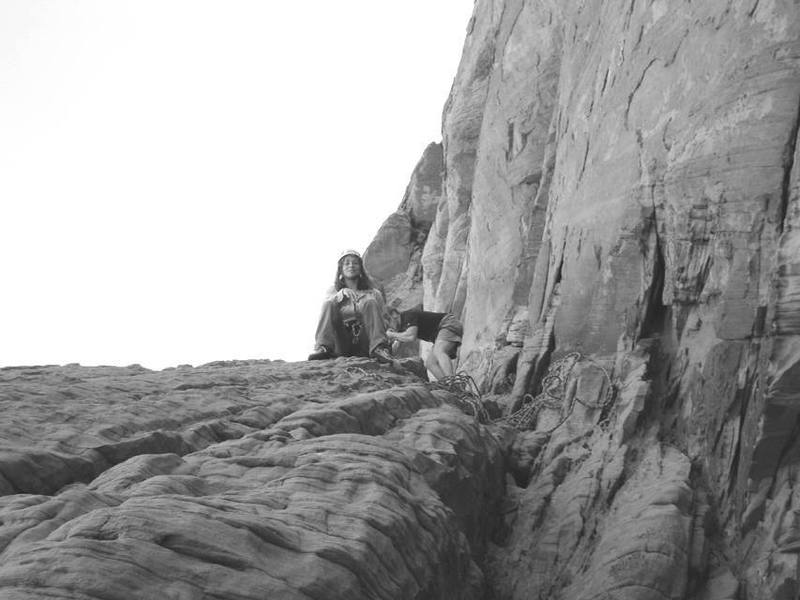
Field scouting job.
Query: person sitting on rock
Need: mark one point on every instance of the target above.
(351, 323)
(441, 329)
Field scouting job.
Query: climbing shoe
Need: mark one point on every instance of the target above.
(320, 353)
(382, 354)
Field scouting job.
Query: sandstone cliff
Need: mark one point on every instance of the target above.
(622, 195)
(614, 212)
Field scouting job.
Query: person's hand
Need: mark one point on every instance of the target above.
(390, 333)
(345, 293)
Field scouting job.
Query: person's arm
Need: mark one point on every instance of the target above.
(346, 294)
(375, 294)
(409, 335)
(381, 302)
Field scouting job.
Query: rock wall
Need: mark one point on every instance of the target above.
(394, 258)
(614, 212)
(622, 190)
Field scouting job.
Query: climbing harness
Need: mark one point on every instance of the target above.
(554, 387)
(354, 326)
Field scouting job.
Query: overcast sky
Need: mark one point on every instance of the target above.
(178, 176)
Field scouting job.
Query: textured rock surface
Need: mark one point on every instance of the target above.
(622, 181)
(615, 215)
(394, 258)
(336, 479)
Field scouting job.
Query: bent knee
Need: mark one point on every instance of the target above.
(368, 301)
(445, 349)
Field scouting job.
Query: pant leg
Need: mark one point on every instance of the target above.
(450, 331)
(450, 323)
(348, 346)
(374, 327)
(361, 347)
(330, 329)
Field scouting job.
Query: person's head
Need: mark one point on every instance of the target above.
(350, 266)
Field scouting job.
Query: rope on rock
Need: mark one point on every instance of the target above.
(554, 387)
(467, 396)
(358, 371)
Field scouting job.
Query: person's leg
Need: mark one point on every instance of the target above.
(448, 339)
(331, 332)
(432, 364)
(326, 328)
(360, 343)
(442, 351)
(348, 344)
(374, 327)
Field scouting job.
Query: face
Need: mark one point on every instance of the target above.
(351, 267)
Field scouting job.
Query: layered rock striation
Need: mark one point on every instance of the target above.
(337, 479)
(614, 213)
(621, 192)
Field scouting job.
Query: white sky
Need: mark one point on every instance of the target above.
(178, 176)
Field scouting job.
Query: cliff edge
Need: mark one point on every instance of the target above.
(614, 213)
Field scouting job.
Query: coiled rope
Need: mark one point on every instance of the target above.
(554, 388)
(465, 395)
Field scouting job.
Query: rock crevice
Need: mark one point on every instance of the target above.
(614, 213)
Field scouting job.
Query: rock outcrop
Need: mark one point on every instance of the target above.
(337, 479)
(394, 258)
(622, 193)
(614, 213)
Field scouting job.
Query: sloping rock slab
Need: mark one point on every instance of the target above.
(342, 481)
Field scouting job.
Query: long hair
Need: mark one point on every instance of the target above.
(364, 282)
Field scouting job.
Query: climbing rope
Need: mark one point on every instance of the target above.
(554, 388)
(552, 395)
(464, 395)
(362, 373)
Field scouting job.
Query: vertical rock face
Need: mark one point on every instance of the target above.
(394, 258)
(623, 142)
(615, 214)
(622, 186)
